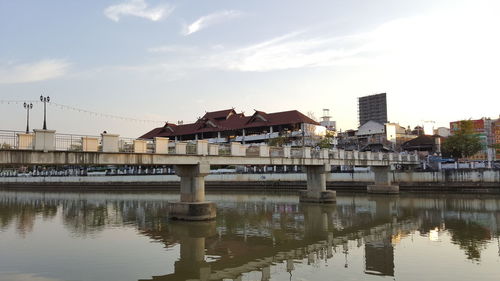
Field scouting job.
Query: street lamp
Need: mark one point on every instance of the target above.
(28, 106)
(45, 100)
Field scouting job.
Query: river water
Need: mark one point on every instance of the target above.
(261, 236)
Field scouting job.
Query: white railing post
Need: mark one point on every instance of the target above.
(161, 145)
(140, 146)
(355, 154)
(335, 153)
(287, 151)
(213, 149)
(25, 141)
(90, 144)
(180, 147)
(44, 140)
(109, 142)
(369, 155)
(341, 154)
(306, 152)
(263, 150)
(236, 149)
(243, 150)
(324, 153)
(202, 147)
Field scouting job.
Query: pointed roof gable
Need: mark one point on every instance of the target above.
(219, 115)
(258, 116)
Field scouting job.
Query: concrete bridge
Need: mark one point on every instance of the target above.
(192, 163)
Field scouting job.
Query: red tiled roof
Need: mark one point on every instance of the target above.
(226, 120)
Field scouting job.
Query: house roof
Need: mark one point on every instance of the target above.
(226, 120)
(420, 141)
(221, 114)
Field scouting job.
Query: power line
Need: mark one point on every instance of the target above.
(81, 110)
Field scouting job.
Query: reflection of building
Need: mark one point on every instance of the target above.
(379, 252)
(373, 107)
(228, 125)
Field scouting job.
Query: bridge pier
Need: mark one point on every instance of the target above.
(316, 185)
(192, 205)
(383, 182)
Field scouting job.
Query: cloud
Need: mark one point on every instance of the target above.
(211, 19)
(293, 50)
(32, 72)
(173, 49)
(138, 8)
(436, 44)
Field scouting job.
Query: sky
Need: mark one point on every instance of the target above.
(155, 60)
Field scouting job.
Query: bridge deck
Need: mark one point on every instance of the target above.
(32, 157)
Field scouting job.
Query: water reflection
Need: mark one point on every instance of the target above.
(254, 234)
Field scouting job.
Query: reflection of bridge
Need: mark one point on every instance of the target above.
(193, 164)
(318, 239)
(252, 235)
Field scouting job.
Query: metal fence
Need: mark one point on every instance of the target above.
(224, 149)
(69, 142)
(296, 152)
(253, 150)
(8, 139)
(276, 152)
(191, 148)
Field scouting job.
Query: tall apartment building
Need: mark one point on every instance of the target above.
(373, 107)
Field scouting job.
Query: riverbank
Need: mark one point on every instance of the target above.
(457, 180)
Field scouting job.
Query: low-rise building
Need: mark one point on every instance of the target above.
(390, 135)
(495, 131)
(228, 125)
(442, 132)
(483, 129)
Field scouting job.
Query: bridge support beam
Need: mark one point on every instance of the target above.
(316, 186)
(192, 205)
(383, 183)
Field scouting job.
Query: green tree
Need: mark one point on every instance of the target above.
(326, 141)
(464, 142)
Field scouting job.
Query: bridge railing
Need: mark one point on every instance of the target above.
(224, 149)
(253, 150)
(68, 142)
(191, 149)
(276, 152)
(8, 139)
(296, 153)
(114, 143)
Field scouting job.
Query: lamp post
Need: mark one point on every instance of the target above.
(28, 106)
(45, 100)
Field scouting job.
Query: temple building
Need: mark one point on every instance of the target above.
(227, 125)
